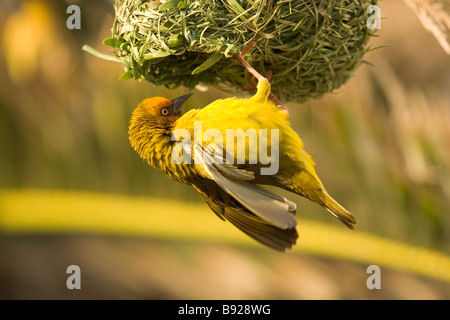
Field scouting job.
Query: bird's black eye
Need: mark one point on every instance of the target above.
(164, 111)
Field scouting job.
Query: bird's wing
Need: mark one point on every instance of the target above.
(274, 209)
(228, 208)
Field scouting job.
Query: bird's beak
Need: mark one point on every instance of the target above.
(178, 102)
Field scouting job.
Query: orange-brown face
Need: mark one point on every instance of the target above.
(152, 123)
(153, 117)
(160, 110)
(157, 107)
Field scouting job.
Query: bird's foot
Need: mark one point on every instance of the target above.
(257, 75)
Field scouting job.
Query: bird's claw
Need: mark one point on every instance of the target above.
(257, 75)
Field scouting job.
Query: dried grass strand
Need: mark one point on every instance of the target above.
(435, 17)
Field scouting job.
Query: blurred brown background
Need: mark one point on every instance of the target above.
(381, 144)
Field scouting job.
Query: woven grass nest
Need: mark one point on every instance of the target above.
(311, 47)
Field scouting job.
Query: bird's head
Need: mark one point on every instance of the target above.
(152, 121)
(158, 112)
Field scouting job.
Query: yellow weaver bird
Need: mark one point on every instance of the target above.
(228, 181)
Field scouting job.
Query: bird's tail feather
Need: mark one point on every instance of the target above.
(339, 211)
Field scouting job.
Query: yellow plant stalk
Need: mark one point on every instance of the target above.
(32, 211)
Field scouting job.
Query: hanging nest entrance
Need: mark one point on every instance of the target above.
(311, 47)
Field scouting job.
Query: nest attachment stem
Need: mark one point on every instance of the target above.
(257, 75)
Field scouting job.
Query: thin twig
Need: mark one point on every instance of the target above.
(257, 75)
